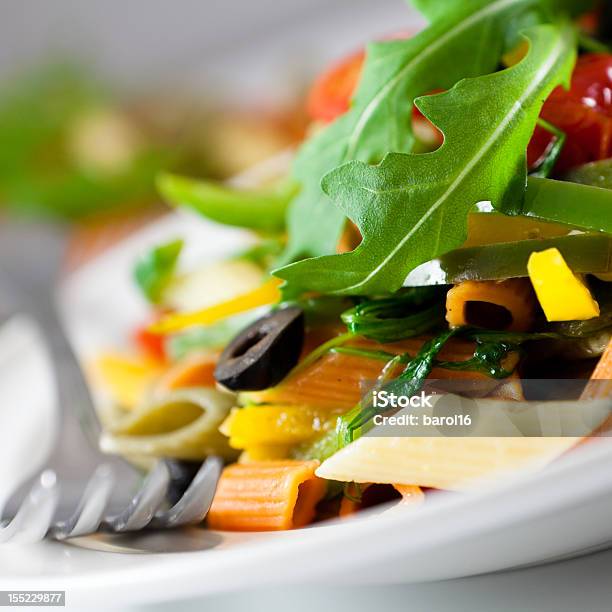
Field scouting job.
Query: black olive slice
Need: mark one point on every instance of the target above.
(263, 354)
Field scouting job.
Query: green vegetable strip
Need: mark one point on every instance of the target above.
(154, 270)
(579, 205)
(258, 210)
(586, 253)
(547, 165)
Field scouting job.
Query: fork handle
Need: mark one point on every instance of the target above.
(72, 390)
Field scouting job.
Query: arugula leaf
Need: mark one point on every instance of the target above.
(465, 39)
(259, 210)
(412, 208)
(154, 270)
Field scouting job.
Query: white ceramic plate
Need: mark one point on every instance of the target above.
(558, 512)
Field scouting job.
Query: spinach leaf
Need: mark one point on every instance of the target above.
(409, 313)
(466, 38)
(411, 208)
(154, 270)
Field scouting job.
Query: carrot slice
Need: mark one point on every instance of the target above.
(266, 496)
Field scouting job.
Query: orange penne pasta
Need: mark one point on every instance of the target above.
(336, 381)
(266, 496)
(372, 494)
(411, 494)
(195, 370)
(508, 304)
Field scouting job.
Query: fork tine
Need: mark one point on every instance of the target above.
(194, 504)
(31, 522)
(92, 505)
(144, 504)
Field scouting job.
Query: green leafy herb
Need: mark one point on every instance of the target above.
(154, 270)
(258, 210)
(466, 38)
(412, 208)
(405, 315)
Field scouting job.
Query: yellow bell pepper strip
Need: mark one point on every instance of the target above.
(254, 426)
(266, 294)
(561, 293)
(127, 379)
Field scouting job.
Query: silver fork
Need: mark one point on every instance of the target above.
(81, 490)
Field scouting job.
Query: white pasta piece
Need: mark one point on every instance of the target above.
(454, 464)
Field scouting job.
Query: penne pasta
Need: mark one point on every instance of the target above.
(508, 304)
(266, 496)
(454, 464)
(182, 424)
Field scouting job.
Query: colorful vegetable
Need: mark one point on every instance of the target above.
(152, 345)
(262, 210)
(486, 228)
(586, 253)
(266, 496)
(331, 93)
(153, 272)
(562, 295)
(262, 354)
(397, 237)
(276, 425)
(496, 305)
(582, 206)
(264, 295)
(126, 379)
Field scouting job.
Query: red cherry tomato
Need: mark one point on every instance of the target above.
(331, 94)
(152, 345)
(584, 113)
